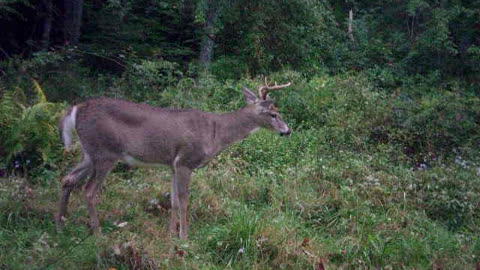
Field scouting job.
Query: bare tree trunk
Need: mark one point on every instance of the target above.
(73, 20)
(47, 24)
(350, 25)
(208, 41)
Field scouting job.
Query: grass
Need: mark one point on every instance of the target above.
(362, 183)
(356, 212)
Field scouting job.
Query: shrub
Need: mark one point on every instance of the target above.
(149, 78)
(436, 124)
(450, 197)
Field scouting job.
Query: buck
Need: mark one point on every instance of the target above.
(112, 130)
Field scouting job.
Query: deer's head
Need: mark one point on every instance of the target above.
(264, 110)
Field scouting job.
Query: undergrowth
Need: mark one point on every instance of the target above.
(369, 179)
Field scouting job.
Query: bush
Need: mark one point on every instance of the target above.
(149, 78)
(450, 197)
(229, 68)
(434, 125)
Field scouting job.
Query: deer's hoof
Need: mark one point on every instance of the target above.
(60, 222)
(174, 228)
(95, 231)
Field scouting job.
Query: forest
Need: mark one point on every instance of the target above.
(381, 169)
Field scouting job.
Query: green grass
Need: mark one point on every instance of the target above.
(347, 190)
(346, 209)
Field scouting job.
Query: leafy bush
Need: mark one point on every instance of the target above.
(436, 124)
(450, 197)
(357, 115)
(150, 77)
(229, 68)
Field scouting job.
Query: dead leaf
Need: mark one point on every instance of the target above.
(305, 242)
(180, 253)
(320, 266)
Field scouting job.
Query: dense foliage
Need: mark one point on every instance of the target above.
(393, 39)
(381, 171)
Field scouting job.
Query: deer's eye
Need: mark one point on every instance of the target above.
(273, 115)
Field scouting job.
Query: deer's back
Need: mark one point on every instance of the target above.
(142, 132)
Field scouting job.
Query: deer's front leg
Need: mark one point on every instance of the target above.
(182, 175)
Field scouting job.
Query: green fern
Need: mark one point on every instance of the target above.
(8, 114)
(28, 128)
(39, 91)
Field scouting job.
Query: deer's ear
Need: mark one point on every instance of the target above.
(250, 97)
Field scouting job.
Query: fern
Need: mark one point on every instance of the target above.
(8, 114)
(39, 91)
(26, 128)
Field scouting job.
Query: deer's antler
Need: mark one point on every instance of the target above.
(264, 89)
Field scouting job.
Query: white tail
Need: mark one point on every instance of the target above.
(67, 127)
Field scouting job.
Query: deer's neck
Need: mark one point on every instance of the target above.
(236, 126)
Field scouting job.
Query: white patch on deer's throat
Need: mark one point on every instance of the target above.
(132, 161)
(254, 130)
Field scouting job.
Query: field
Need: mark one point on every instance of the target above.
(368, 179)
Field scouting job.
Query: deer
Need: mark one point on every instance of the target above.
(113, 130)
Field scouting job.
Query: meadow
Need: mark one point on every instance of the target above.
(368, 179)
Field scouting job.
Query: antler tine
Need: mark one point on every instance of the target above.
(264, 89)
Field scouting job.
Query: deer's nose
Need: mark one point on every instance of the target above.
(286, 133)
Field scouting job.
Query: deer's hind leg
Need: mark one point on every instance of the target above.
(83, 170)
(182, 175)
(101, 170)
(174, 207)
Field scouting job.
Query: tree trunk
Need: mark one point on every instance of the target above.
(187, 31)
(47, 24)
(73, 20)
(187, 14)
(208, 40)
(350, 25)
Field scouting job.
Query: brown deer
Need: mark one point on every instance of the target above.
(111, 130)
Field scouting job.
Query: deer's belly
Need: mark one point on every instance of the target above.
(132, 161)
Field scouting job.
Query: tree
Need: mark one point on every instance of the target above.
(208, 39)
(73, 21)
(187, 37)
(47, 24)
